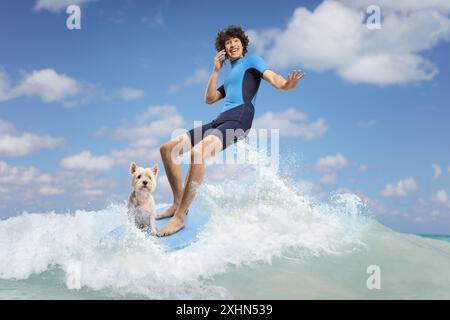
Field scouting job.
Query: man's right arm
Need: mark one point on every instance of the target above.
(212, 94)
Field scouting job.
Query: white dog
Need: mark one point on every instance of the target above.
(141, 206)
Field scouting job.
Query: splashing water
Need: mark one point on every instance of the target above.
(265, 239)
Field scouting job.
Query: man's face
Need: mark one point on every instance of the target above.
(234, 49)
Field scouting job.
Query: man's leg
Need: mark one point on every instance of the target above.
(208, 147)
(169, 153)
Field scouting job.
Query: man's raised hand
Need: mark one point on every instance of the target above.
(218, 62)
(293, 79)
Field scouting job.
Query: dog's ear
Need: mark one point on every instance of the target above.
(133, 168)
(155, 169)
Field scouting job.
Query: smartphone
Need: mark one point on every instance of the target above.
(225, 57)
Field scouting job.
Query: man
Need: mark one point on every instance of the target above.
(240, 90)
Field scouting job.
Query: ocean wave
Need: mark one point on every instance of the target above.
(256, 220)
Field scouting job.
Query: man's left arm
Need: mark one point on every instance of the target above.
(281, 83)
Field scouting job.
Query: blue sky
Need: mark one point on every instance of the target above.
(370, 117)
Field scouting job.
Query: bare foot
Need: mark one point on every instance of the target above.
(168, 213)
(175, 224)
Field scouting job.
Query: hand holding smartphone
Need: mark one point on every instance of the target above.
(224, 57)
(219, 59)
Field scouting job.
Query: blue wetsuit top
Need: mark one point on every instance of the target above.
(242, 83)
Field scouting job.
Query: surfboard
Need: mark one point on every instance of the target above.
(194, 222)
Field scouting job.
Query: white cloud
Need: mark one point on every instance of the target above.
(329, 178)
(387, 69)
(86, 184)
(145, 134)
(363, 168)
(319, 40)
(331, 164)
(367, 124)
(149, 127)
(128, 94)
(261, 41)
(17, 175)
(13, 143)
(4, 85)
(200, 76)
(334, 37)
(420, 211)
(435, 214)
(25, 144)
(49, 191)
(89, 92)
(57, 5)
(93, 192)
(157, 20)
(437, 171)
(401, 189)
(27, 187)
(27, 181)
(292, 123)
(85, 161)
(144, 156)
(46, 84)
(6, 127)
(442, 198)
(402, 5)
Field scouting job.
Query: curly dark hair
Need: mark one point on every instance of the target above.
(231, 31)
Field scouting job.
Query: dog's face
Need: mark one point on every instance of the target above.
(143, 179)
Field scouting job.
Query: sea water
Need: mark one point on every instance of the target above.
(265, 239)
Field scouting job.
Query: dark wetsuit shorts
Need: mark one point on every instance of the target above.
(229, 126)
